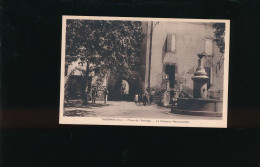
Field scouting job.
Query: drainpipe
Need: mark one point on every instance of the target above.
(150, 57)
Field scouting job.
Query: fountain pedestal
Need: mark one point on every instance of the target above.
(200, 80)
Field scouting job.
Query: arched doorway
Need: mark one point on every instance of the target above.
(125, 88)
(120, 90)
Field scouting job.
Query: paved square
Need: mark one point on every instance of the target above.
(125, 109)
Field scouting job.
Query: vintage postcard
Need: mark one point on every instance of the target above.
(144, 71)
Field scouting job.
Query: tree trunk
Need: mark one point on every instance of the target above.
(85, 84)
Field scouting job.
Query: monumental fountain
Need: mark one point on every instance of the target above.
(200, 104)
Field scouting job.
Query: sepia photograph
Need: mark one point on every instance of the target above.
(144, 71)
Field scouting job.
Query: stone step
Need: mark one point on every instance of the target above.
(158, 96)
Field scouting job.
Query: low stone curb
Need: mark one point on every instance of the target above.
(197, 113)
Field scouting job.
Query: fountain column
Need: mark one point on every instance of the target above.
(200, 80)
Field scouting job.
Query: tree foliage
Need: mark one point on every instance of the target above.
(220, 36)
(110, 45)
(105, 46)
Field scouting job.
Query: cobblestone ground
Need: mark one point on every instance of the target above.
(124, 109)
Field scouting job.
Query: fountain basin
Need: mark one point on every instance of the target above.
(199, 107)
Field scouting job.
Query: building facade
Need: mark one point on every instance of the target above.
(172, 49)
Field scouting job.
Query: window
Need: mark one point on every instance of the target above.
(208, 46)
(170, 46)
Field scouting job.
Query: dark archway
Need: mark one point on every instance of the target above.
(125, 88)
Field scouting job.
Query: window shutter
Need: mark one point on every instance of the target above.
(208, 46)
(171, 39)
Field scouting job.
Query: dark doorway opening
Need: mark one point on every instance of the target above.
(208, 71)
(170, 71)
